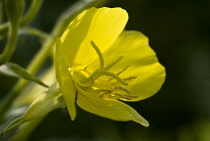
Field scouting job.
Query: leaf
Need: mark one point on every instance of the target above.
(15, 70)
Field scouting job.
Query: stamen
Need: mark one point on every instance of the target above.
(83, 92)
(118, 73)
(127, 97)
(119, 96)
(130, 78)
(115, 77)
(97, 73)
(113, 63)
(103, 91)
(99, 54)
(121, 89)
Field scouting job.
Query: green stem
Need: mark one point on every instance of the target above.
(33, 31)
(32, 12)
(14, 11)
(1, 11)
(11, 43)
(41, 56)
(29, 16)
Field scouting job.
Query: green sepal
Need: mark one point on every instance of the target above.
(40, 107)
(45, 103)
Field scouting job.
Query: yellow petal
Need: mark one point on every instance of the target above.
(111, 109)
(142, 62)
(69, 94)
(65, 81)
(102, 26)
(135, 49)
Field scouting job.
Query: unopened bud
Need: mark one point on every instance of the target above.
(14, 10)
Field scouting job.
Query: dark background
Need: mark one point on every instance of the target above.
(179, 32)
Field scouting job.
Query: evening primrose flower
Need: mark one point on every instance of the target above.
(98, 65)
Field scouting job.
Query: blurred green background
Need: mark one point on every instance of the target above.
(179, 32)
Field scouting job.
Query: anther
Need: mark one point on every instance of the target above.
(119, 96)
(103, 91)
(130, 78)
(114, 76)
(127, 97)
(121, 89)
(118, 73)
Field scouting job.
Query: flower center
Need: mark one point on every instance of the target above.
(102, 83)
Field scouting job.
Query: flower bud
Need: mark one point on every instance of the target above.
(14, 9)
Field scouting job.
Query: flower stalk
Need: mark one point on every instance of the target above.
(14, 11)
(26, 19)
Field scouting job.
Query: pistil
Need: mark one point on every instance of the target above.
(86, 84)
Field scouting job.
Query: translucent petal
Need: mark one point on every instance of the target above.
(102, 26)
(111, 109)
(33, 90)
(144, 74)
(25, 130)
(64, 79)
(44, 104)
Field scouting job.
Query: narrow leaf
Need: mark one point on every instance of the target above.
(15, 70)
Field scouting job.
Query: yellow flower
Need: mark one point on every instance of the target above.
(98, 65)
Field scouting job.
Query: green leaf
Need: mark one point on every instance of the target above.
(15, 70)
